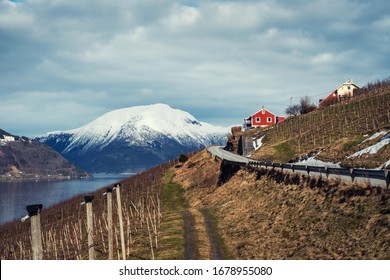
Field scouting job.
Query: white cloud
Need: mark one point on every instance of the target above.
(12, 17)
(181, 18)
(323, 58)
(218, 59)
(383, 23)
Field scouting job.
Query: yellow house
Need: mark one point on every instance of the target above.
(343, 92)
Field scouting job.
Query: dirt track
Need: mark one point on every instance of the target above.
(201, 241)
(216, 251)
(191, 251)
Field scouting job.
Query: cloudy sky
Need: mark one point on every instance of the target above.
(63, 63)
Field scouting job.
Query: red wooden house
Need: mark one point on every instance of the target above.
(262, 118)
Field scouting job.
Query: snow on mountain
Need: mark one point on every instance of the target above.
(140, 125)
(22, 158)
(6, 138)
(163, 131)
(3, 141)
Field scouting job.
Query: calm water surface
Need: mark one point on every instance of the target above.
(15, 196)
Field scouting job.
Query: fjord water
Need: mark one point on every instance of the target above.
(15, 196)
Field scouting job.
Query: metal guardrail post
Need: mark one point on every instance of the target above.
(351, 172)
(326, 173)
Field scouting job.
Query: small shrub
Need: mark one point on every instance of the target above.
(353, 143)
(183, 158)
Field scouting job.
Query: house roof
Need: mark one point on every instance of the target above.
(348, 82)
(262, 110)
(330, 95)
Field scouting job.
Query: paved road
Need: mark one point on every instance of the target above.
(219, 152)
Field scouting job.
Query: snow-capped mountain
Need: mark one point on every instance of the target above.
(135, 138)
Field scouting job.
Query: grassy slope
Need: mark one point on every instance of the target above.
(259, 218)
(172, 225)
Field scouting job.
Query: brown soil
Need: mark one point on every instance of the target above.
(200, 236)
(215, 246)
(191, 251)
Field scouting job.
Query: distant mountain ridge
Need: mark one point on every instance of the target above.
(23, 158)
(133, 139)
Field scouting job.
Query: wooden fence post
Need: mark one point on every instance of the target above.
(88, 203)
(110, 224)
(118, 198)
(36, 234)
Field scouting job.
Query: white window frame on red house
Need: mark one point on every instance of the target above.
(258, 119)
(269, 120)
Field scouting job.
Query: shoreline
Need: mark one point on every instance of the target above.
(59, 204)
(41, 178)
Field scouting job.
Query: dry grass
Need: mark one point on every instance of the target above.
(259, 218)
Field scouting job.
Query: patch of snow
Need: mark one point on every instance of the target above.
(6, 140)
(375, 135)
(385, 165)
(258, 143)
(372, 149)
(316, 162)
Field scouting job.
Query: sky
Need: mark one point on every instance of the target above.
(64, 63)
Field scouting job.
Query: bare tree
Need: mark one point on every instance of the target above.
(306, 105)
(293, 110)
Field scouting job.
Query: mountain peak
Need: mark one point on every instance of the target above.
(141, 123)
(156, 128)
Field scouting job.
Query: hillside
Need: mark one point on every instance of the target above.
(269, 215)
(22, 158)
(262, 218)
(135, 138)
(337, 132)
